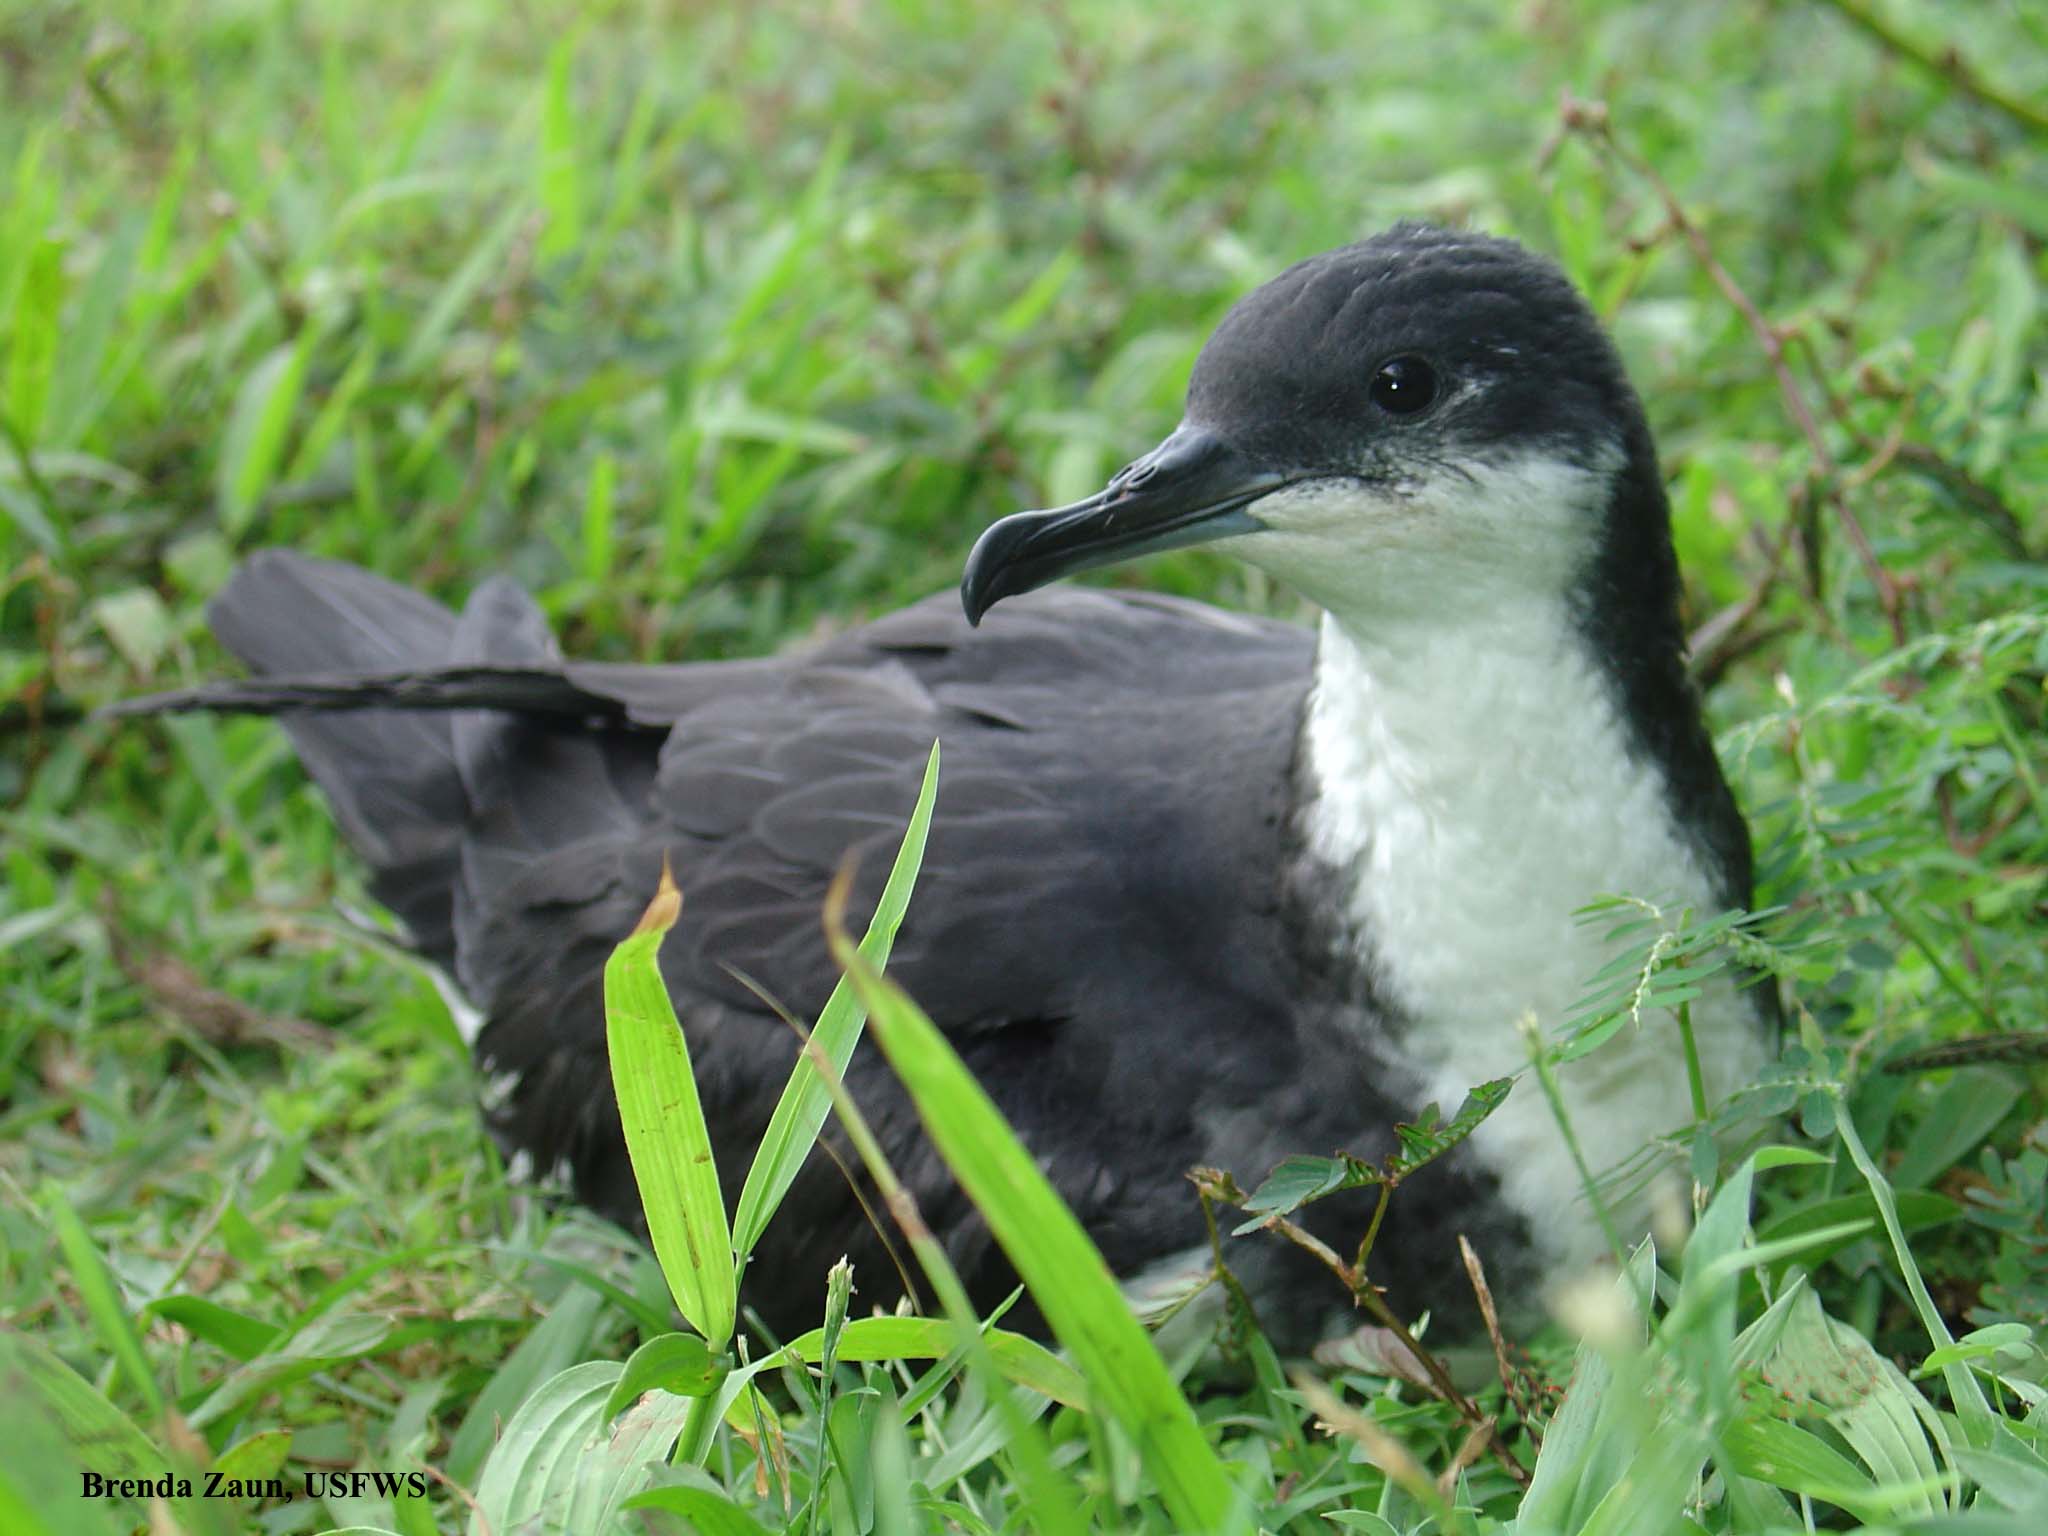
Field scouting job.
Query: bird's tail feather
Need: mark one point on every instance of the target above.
(431, 689)
(436, 738)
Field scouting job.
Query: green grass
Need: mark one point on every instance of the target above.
(718, 328)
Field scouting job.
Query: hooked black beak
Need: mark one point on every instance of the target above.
(1191, 489)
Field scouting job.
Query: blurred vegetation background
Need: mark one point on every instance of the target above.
(720, 326)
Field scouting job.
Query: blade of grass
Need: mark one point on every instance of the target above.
(1048, 1503)
(102, 1297)
(1964, 1392)
(561, 192)
(800, 1112)
(1064, 1271)
(253, 445)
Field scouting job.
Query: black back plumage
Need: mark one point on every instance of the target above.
(519, 844)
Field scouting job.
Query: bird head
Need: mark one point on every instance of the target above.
(1424, 418)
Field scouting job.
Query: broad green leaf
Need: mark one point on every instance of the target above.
(679, 1363)
(559, 1341)
(101, 1435)
(261, 1455)
(2012, 1474)
(1788, 1457)
(666, 1136)
(709, 1514)
(1824, 1369)
(553, 1468)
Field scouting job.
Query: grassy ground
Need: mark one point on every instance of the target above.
(721, 326)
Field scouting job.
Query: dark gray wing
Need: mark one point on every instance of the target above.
(1097, 925)
(1096, 921)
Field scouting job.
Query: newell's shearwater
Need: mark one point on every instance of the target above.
(1201, 888)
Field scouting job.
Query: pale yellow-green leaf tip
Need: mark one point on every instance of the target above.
(837, 894)
(667, 906)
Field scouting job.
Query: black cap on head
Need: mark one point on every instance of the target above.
(1417, 354)
(1516, 354)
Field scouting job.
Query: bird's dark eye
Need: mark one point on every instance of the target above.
(1403, 385)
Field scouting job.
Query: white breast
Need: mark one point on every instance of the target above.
(1478, 788)
(1473, 783)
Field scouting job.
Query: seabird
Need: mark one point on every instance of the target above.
(1202, 888)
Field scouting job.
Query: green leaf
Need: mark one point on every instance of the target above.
(890, 1460)
(556, 1469)
(1919, 1211)
(327, 1340)
(34, 334)
(2012, 1473)
(666, 1137)
(1788, 1457)
(710, 1514)
(1822, 1367)
(102, 1298)
(138, 623)
(1297, 1181)
(561, 163)
(1594, 1437)
(679, 1363)
(1767, 1158)
(457, 293)
(29, 515)
(800, 1112)
(79, 387)
(1967, 1109)
(1023, 1361)
(253, 445)
(1127, 1380)
(103, 1437)
(1964, 1391)
(1426, 1141)
(559, 1341)
(2013, 1340)
(531, 1471)
(261, 1455)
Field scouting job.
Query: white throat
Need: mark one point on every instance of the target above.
(1474, 785)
